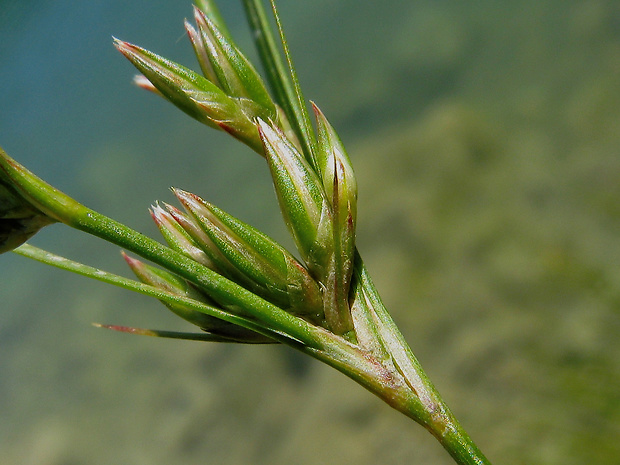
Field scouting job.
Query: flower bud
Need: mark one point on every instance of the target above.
(171, 283)
(335, 168)
(341, 189)
(214, 258)
(229, 69)
(192, 93)
(268, 269)
(302, 199)
(177, 237)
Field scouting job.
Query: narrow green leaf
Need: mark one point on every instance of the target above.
(205, 337)
(298, 102)
(172, 298)
(280, 75)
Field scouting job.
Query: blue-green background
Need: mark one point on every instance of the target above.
(486, 139)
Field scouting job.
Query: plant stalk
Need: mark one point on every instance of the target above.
(429, 409)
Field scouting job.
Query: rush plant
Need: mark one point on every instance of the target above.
(234, 283)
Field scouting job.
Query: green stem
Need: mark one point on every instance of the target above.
(431, 411)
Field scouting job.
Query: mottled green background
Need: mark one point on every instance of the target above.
(486, 139)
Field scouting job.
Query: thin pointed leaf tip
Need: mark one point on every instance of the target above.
(206, 337)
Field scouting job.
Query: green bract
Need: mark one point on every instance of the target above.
(177, 237)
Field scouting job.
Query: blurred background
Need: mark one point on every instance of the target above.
(486, 140)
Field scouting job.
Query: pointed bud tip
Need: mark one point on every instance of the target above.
(268, 134)
(128, 49)
(160, 216)
(142, 82)
(179, 193)
(133, 263)
(171, 209)
(120, 44)
(186, 198)
(315, 108)
(154, 215)
(156, 209)
(198, 14)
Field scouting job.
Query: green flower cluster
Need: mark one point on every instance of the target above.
(317, 193)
